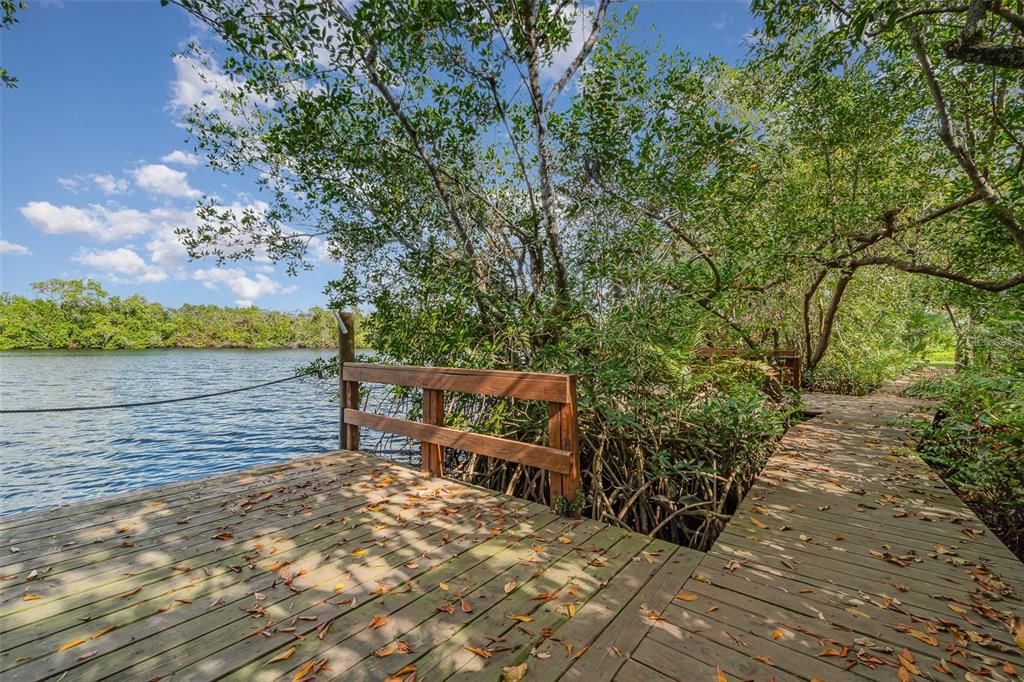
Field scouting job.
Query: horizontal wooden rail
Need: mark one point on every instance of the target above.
(491, 446)
(560, 458)
(497, 383)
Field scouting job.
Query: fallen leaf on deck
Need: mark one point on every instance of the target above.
(687, 596)
(103, 632)
(400, 675)
(767, 660)
(378, 622)
(465, 606)
(720, 676)
(284, 655)
(522, 617)
(778, 634)
(513, 673)
(359, 552)
(30, 596)
(443, 586)
(70, 645)
(87, 655)
(386, 651)
(510, 586)
(482, 653)
(760, 524)
(305, 669)
(339, 587)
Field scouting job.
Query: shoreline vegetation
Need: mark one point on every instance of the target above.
(80, 315)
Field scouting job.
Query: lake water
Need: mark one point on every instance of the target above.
(53, 458)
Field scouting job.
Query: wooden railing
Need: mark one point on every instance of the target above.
(560, 457)
(786, 362)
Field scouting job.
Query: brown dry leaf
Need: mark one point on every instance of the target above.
(386, 651)
(465, 606)
(305, 669)
(71, 645)
(857, 612)
(400, 675)
(103, 632)
(378, 622)
(443, 586)
(482, 653)
(687, 596)
(778, 634)
(31, 596)
(767, 660)
(922, 636)
(579, 653)
(513, 673)
(510, 586)
(522, 617)
(565, 540)
(284, 655)
(446, 608)
(833, 651)
(760, 524)
(321, 631)
(87, 655)
(720, 676)
(570, 609)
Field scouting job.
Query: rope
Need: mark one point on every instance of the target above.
(82, 408)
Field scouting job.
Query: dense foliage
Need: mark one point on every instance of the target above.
(80, 314)
(849, 192)
(976, 441)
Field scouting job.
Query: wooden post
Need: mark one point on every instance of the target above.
(348, 391)
(432, 454)
(562, 435)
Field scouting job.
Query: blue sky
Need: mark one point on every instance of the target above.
(96, 171)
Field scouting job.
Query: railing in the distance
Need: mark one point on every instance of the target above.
(560, 457)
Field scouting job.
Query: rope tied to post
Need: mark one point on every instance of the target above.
(115, 406)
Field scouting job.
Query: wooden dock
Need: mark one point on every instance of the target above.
(849, 560)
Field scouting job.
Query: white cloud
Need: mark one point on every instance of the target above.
(582, 23)
(181, 158)
(121, 262)
(96, 221)
(70, 184)
(246, 288)
(13, 249)
(198, 82)
(161, 179)
(720, 23)
(109, 184)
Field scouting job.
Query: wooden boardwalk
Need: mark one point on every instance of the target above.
(849, 560)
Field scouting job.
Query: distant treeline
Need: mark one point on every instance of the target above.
(81, 314)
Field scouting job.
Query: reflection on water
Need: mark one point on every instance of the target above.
(48, 459)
